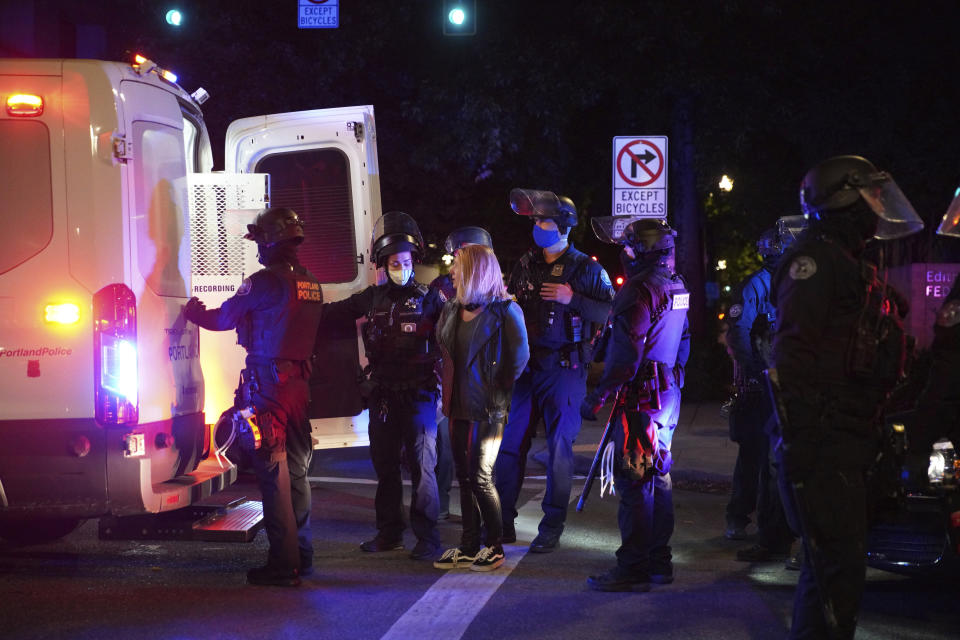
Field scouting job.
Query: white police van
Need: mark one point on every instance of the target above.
(112, 220)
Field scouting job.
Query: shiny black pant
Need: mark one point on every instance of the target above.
(475, 447)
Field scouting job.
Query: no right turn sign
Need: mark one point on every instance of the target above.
(640, 176)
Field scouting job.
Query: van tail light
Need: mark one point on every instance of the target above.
(115, 355)
(64, 313)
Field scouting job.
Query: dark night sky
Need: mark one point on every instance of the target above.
(536, 96)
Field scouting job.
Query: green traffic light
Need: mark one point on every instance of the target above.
(174, 18)
(457, 16)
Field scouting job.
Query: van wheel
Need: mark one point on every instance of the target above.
(25, 532)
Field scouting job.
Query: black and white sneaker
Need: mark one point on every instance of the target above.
(488, 559)
(455, 559)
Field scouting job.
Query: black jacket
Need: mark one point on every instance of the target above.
(498, 355)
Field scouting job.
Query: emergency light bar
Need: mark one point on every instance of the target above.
(24, 105)
(144, 65)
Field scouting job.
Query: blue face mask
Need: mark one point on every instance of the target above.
(545, 237)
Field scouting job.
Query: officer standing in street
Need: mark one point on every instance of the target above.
(443, 285)
(838, 351)
(276, 312)
(754, 485)
(938, 408)
(564, 296)
(646, 327)
(398, 337)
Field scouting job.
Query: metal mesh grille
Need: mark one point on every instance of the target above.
(220, 205)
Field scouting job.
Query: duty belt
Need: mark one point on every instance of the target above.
(569, 356)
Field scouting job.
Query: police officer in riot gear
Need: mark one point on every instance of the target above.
(276, 312)
(938, 408)
(443, 285)
(564, 296)
(751, 318)
(646, 329)
(398, 337)
(838, 351)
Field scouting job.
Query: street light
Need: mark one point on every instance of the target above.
(726, 183)
(459, 17)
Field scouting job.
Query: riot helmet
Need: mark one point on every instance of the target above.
(394, 232)
(843, 185)
(768, 244)
(463, 236)
(649, 240)
(642, 235)
(950, 225)
(545, 204)
(274, 225)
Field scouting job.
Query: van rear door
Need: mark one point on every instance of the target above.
(323, 165)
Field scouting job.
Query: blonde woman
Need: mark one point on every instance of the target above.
(484, 344)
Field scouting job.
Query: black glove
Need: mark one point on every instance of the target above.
(194, 310)
(590, 406)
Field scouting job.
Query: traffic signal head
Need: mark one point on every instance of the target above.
(459, 17)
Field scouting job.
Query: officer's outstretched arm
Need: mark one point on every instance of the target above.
(349, 309)
(260, 291)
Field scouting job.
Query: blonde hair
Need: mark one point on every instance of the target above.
(478, 277)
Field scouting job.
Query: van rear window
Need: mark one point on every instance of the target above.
(26, 207)
(316, 184)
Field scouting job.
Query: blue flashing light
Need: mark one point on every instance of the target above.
(174, 18)
(457, 16)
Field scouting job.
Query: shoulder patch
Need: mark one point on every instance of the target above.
(441, 295)
(736, 310)
(949, 314)
(604, 278)
(802, 267)
(245, 287)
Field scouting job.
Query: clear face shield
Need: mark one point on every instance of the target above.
(950, 225)
(533, 203)
(789, 229)
(897, 216)
(610, 229)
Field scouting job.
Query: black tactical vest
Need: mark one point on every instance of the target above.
(287, 330)
(550, 323)
(669, 303)
(398, 334)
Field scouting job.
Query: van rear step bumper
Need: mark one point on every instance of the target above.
(237, 521)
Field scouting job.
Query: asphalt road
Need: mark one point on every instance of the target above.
(82, 587)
